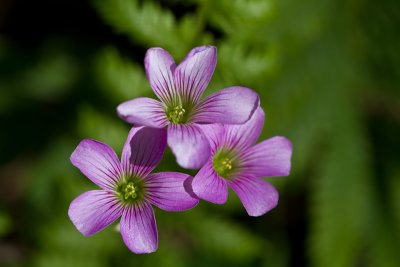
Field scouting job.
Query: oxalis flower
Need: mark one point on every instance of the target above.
(181, 109)
(237, 162)
(128, 189)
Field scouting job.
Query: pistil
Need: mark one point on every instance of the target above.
(177, 114)
(130, 191)
(224, 164)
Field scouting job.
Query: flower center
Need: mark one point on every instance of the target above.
(130, 190)
(177, 114)
(224, 164)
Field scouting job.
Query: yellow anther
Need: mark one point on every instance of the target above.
(130, 191)
(226, 164)
(176, 115)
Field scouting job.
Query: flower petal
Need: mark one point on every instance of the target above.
(171, 191)
(258, 197)
(194, 73)
(209, 186)
(189, 145)
(98, 162)
(94, 210)
(233, 105)
(245, 135)
(138, 228)
(143, 150)
(143, 111)
(215, 134)
(160, 68)
(268, 158)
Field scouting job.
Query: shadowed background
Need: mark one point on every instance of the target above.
(328, 73)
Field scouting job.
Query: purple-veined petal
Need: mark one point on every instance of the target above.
(189, 145)
(160, 68)
(170, 191)
(98, 162)
(94, 210)
(143, 150)
(233, 105)
(257, 196)
(194, 73)
(268, 158)
(245, 135)
(209, 186)
(143, 111)
(215, 134)
(138, 228)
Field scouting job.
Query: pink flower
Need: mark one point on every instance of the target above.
(181, 108)
(128, 189)
(236, 161)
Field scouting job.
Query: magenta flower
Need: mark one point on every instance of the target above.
(128, 189)
(238, 163)
(181, 109)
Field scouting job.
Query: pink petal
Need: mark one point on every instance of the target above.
(215, 134)
(94, 210)
(245, 135)
(98, 162)
(209, 186)
(233, 105)
(171, 191)
(160, 68)
(143, 111)
(271, 157)
(189, 145)
(194, 73)
(138, 228)
(143, 150)
(258, 197)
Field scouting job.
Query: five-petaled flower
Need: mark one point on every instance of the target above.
(237, 162)
(128, 188)
(181, 108)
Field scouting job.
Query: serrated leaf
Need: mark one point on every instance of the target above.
(243, 15)
(120, 79)
(149, 24)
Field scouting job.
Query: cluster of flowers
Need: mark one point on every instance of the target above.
(216, 135)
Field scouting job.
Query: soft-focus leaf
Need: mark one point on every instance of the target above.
(92, 124)
(51, 77)
(5, 223)
(225, 239)
(149, 24)
(327, 73)
(119, 78)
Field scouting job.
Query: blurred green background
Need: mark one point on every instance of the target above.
(327, 71)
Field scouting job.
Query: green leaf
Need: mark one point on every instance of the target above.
(51, 77)
(149, 24)
(224, 238)
(243, 15)
(5, 223)
(241, 65)
(120, 79)
(95, 125)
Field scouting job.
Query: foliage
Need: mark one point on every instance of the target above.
(326, 74)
